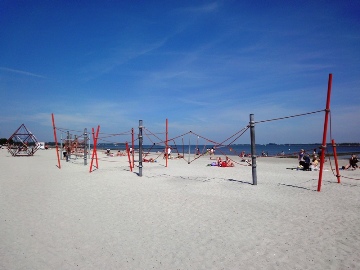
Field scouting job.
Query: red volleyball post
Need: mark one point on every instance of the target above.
(96, 139)
(323, 146)
(129, 157)
(166, 143)
(336, 160)
(56, 143)
(94, 147)
(94, 153)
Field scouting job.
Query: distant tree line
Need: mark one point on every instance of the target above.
(3, 141)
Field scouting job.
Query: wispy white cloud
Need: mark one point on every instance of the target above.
(192, 101)
(206, 8)
(21, 72)
(118, 56)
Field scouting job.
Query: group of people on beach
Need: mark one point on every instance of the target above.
(313, 165)
(222, 163)
(305, 163)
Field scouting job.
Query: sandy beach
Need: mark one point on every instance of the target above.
(184, 216)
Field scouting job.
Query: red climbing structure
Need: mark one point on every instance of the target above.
(22, 142)
(94, 153)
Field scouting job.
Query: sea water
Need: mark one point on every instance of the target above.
(238, 149)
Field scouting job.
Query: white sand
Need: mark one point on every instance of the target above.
(180, 217)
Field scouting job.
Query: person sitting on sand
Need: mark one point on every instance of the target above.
(305, 163)
(119, 153)
(352, 162)
(222, 163)
(314, 164)
(248, 161)
(314, 153)
(229, 163)
(180, 156)
(301, 156)
(148, 160)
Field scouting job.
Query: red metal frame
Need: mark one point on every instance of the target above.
(56, 142)
(22, 142)
(323, 147)
(94, 153)
(129, 158)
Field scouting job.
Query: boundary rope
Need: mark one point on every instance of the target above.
(286, 117)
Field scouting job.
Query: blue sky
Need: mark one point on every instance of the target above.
(203, 65)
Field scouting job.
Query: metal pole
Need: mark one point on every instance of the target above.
(323, 146)
(61, 147)
(129, 156)
(140, 146)
(89, 149)
(183, 148)
(56, 143)
(133, 147)
(85, 146)
(166, 143)
(189, 152)
(76, 139)
(68, 149)
(253, 150)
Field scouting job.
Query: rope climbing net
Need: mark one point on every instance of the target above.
(181, 150)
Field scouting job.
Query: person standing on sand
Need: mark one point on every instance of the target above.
(68, 153)
(212, 152)
(167, 153)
